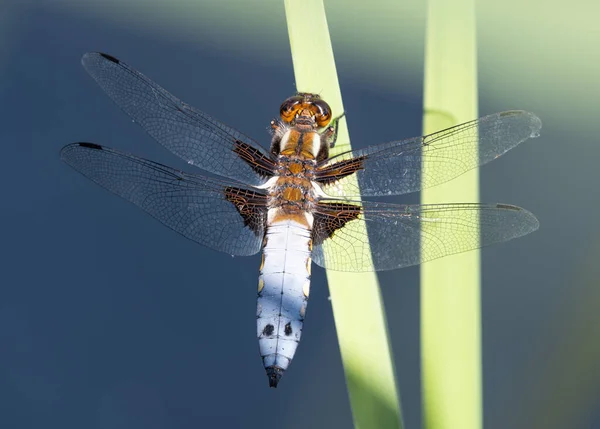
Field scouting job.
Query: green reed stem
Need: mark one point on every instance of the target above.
(358, 311)
(450, 289)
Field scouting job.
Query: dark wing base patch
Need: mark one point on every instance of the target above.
(250, 205)
(329, 217)
(258, 162)
(338, 170)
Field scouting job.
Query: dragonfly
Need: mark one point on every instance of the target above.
(294, 202)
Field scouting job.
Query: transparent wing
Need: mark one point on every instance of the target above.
(190, 134)
(394, 233)
(395, 168)
(214, 213)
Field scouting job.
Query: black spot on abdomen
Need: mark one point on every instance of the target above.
(268, 331)
(288, 329)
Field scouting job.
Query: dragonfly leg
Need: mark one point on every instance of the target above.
(278, 131)
(331, 132)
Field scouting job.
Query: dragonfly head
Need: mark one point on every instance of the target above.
(307, 109)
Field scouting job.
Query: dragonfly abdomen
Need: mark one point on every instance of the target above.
(283, 289)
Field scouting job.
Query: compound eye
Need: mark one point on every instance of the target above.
(289, 108)
(322, 112)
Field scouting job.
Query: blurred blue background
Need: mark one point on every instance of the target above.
(110, 320)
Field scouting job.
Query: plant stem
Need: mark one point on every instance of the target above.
(450, 289)
(358, 311)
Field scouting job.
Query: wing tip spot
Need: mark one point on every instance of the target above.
(90, 145)
(109, 57)
(508, 207)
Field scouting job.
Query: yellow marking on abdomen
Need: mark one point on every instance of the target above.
(306, 288)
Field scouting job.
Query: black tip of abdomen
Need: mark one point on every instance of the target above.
(274, 373)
